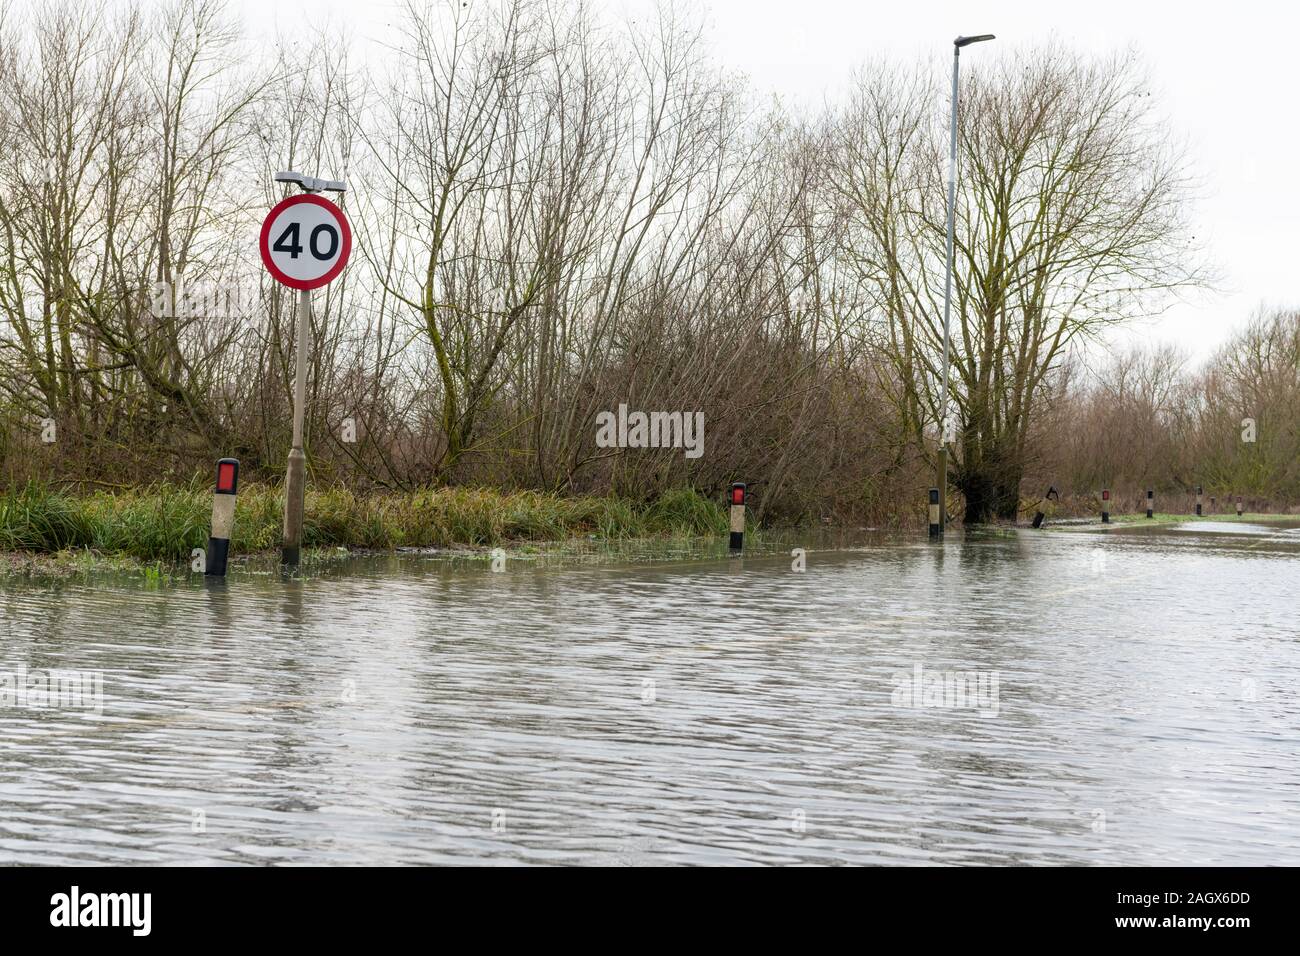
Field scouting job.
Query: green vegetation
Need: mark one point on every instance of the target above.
(165, 522)
(1161, 517)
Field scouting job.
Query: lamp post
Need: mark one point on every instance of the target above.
(295, 479)
(941, 468)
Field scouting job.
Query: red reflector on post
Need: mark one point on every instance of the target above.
(737, 494)
(227, 476)
(1105, 496)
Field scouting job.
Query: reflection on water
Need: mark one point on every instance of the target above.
(1241, 528)
(704, 710)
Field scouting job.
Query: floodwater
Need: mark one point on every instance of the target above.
(1081, 696)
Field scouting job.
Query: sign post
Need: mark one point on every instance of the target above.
(305, 243)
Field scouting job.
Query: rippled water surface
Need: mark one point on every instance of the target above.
(678, 708)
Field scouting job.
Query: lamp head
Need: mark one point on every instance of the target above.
(310, 184)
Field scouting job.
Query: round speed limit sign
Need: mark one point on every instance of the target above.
(305, 242)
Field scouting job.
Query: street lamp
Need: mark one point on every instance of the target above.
(310, 184)
(941, 478)
(295, 479)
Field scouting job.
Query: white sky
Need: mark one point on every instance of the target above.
(1224, 74)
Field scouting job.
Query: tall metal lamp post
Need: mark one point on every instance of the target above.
(295, 474)
(941, 468)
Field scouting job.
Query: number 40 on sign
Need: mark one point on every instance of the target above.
(305, 241)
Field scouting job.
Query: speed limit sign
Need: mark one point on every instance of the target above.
(305, 242)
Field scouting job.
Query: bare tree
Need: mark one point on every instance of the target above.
(1069, 219)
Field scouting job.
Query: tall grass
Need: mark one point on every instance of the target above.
(168, 521)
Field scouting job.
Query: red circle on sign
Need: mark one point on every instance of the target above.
(345, 242)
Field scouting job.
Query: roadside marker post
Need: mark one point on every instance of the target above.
(1238, 506)
(1198, 501)
(305, 243)
(1151, 503)
(936, 529)
(1105, 506)
(1040, 514)
(738, 491)
(223, 516)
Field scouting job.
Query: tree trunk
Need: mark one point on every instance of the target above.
(980, 490)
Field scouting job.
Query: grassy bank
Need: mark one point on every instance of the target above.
(1161, 517)
(165, 522)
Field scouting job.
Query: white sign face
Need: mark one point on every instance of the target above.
(305, 241)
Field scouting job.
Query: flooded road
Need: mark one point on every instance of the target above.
(1127, 696)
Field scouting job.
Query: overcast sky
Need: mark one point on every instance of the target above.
(1224, 74)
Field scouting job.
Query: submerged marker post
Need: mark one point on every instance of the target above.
(1040, 514)
(223, 516)
(936, 529)
(1105, 506)
(1151, 503)
(738, 489)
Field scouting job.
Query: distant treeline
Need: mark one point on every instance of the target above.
(556, 214)
(1147, 420)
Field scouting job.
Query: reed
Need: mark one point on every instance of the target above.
(167, 521)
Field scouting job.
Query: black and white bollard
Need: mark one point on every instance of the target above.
(936, 529)
(223, 516)
(1105, 506)
(1198, 501)
(1151, 503)
(737, 515)
(1039, 514)
(1238, 506)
